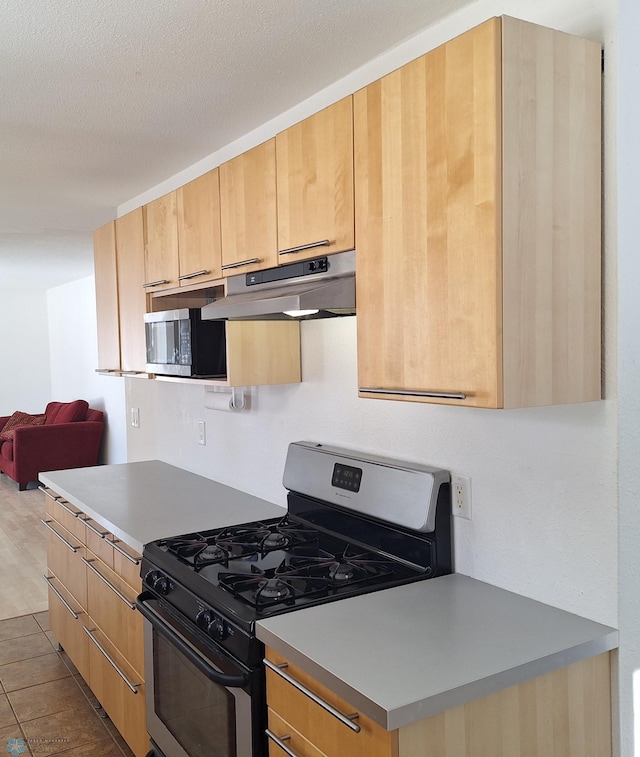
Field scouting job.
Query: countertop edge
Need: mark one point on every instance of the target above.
(93, 514)
(445, 700)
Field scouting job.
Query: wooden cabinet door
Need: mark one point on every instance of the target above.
(104, 259)
(64, 560)
(427, 163)
(111, 604)
(161, 243)
(132, 300)
(318, 727)
(248, 210)
(199, 246)
(119, 689)
(66, 619)
(314, 161)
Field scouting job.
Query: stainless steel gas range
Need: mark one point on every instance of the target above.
(355, 523)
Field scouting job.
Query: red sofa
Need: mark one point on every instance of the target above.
(69, 437)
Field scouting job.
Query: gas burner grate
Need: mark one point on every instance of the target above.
(267, 588)
(345, 568)
(261, 538)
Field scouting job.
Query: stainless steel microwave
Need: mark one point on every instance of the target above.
(180, 343)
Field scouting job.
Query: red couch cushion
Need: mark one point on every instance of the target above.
(66, 412)
(17, 420)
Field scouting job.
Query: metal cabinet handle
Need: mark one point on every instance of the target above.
(132, 686)
(302, 247)
(414, 393)
(54, 497)
(49, 579)
(62, 539)
(108, 371)
(344, 719)
(242, 262)
(192, 275)
(96, 531)
(155, 283)
(61, 502)
(114, 589)
(134, 560)
(279, 741)
(131, 373)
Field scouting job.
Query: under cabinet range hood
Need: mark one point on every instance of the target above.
(321, 287)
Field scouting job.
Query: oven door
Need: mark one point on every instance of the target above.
(199, 699)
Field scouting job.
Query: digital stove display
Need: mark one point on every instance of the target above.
(346, 477)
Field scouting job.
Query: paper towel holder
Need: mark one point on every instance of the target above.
(238, 398)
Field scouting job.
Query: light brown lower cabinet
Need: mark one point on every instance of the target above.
(93, 582)
(565, 713)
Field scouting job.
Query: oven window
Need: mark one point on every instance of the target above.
(200, 714)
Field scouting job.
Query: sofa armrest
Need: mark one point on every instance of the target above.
(57, 446)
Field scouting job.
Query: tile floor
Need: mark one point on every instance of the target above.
(45, 706)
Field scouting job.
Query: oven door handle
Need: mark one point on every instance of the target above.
(223, 679)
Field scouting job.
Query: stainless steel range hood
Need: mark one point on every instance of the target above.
(322, 287)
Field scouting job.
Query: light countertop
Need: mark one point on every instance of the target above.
(409, 652)
(144, 501)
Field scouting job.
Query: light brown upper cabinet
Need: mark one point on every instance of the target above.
(199, 252)
(120, 299)
(248, 210)
(132, 300)
(314, 161)
(478, 222)
(106, 277)
(161, 267)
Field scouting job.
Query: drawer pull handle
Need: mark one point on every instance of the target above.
(54, 497)
(240, 263)
(413, 393)
(156, 283)
(116, 591)
(55, 533)
(134, 560)
(186, 276)
(49, 579)
(279, 741)
(61, 502)
(344, 719)
(132, 686)
(95, 530)
(302, 247)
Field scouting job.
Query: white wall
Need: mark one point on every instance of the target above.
(25, 383)
(74, 357)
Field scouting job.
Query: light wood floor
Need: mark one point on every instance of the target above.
(23, 589)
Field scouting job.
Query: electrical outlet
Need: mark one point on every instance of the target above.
(135, 417)
(461, 495)
(202, 433)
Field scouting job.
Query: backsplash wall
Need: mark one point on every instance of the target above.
(543, 480)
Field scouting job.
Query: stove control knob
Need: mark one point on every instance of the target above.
(217, 629)
(204, 618)
(161, 583)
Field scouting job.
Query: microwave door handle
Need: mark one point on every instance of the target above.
(228, 681)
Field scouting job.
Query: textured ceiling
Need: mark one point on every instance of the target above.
(100, 101)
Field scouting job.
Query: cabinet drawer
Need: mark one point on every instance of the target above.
(111, 604)
(293, 740)
(97, 542)
(119, 689)
(65, 513)
(64, 560)
(126, 563)
(66, 619)
(323, 729)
